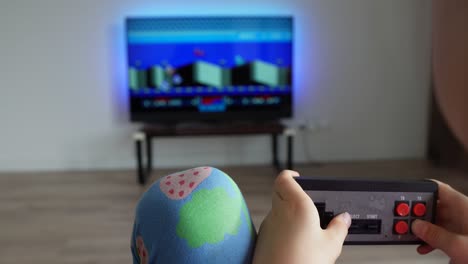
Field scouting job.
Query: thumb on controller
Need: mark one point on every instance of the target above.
(337, 229)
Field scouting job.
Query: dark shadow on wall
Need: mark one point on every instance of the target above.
(444, 150)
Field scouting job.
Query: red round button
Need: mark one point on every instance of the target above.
(419, 209)
(402, 209)
(401, 227)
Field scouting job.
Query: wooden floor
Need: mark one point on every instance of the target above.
(86, 217)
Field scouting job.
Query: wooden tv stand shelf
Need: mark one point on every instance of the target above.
(150, 131)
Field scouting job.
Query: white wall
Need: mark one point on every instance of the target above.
(362, 66)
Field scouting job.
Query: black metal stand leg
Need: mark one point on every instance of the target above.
(140, 171)
(274, 144)
(149, 155)
(290, 152)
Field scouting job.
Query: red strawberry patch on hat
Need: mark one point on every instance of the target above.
(141, 250)
(179, 185)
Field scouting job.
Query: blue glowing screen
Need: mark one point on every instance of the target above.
(236, 64)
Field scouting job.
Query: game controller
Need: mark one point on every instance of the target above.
(381, 211)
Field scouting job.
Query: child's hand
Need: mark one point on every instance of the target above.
(291, 232)
(451, 232)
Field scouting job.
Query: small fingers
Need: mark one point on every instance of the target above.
(436, 237)
(446, 193)
(424, 249)
(286, 188)
(337, 229)
(288, 196)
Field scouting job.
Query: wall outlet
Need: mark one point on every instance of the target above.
(316, 125)
(324, 125)
(312, 126)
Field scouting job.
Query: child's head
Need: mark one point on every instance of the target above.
(193, 216)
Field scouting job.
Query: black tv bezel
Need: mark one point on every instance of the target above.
(184, 116)
(266, 115)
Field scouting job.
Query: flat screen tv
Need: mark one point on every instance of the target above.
(209, 68)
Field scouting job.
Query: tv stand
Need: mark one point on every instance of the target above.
(148, 132)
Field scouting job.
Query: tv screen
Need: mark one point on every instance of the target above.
(209, 68)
